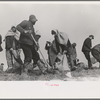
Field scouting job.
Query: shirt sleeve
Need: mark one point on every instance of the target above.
(21, 27)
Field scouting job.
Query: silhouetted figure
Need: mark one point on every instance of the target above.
(87, 45)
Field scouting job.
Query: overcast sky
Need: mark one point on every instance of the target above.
(78, 20)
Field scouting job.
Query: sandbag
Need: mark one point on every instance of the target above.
(63, 64)
(93, 60)
(62, 38)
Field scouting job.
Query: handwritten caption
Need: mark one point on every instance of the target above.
(51, 84)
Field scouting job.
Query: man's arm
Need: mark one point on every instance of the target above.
(21, 27)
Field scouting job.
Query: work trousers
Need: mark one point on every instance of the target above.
(9, 58)
(87, 56)
(30, 53)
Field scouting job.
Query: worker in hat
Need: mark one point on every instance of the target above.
(28, 45)
(87, 45)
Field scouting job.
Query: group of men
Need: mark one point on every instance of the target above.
(23, 37)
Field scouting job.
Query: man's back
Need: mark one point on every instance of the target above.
(87, 45)
(26, 37)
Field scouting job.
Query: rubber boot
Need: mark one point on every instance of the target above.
(41, 66)
(26, 67)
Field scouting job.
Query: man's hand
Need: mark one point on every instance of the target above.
(37, 46)
(59, 54)
(11, 49)
(30, 31)
(26, 31)
(64, 52)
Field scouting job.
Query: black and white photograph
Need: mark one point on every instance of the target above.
(49, 49)
(49, 41)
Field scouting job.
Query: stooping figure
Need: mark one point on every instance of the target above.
(29, 43)
(61, 40)
(12, 47)
(52, 52)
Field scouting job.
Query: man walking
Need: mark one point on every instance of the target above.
(87, 45)
(28, 44)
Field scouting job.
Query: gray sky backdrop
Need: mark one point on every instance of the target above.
(77, 19)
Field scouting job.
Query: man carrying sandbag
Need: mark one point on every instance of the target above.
(12, 47)
(95, 51)
(62, 41)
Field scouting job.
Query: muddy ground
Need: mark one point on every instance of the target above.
(78, 75)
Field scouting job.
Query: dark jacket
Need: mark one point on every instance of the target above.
(26, 37)
(52, 52)
(87, 45)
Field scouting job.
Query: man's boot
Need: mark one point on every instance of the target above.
(21, 69)
(90, 65)
(26, 67)
(41, 66)
(34, 65)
